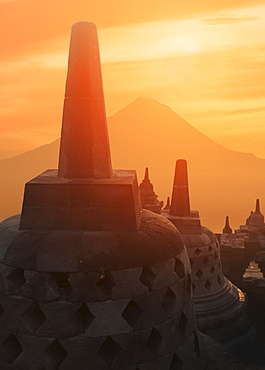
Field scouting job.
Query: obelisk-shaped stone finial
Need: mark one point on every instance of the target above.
(257, 210)
(146, 175)
(167, 207)
(84, 151)
(227, 229)
(180, 202)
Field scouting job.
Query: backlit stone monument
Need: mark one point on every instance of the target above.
(87, 279)
(217, 301)
(227, 229)
(148, 196)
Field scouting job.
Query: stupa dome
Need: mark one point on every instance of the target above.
(64, 291)
(217, 302)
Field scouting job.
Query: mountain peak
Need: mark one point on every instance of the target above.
(146, 106)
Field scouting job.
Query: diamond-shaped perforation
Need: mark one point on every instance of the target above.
(219, 280)
(105, 283)
(33, 317)
(154, 342)
(16, 278)
(212, 271)
(132, 313)
(208, 285)
(148, 278)
(210, 249)
(206, 261)
(199, 274)
(188, 286)
(183, 323)
(179, 269)
(85, 315)
(55, 354)
(197, 345)
(109, 351)
(176, 363)
(63, 280)
(197, 252)
(169, 301)
(12, 348)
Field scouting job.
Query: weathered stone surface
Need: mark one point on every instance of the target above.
(164, 274)
(127, 283)
(39, 353)
(40, 286)
(136, 340)
(10, 348)
(11, 279)
(8, 231)
(23, 250)
(158, 364)
(60, 246)
(57, 314)
(56, 203)
(15, 314)
(160, 229)
(90, 286)
(82, 354)
(100, 251)
(108, 319)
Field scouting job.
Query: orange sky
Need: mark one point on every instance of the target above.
(204, 59)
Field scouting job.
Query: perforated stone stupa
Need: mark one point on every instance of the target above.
(217, 301)
(87, 279)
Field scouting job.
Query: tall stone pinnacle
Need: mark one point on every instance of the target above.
(146, 175)
(180, 202)
(227, 229)
(84, 150)
(167, 207)
(257, 210)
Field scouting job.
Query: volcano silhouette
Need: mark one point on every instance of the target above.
(149, 134)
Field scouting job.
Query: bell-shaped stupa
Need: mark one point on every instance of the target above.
(217, 302)
(148, 196)
(87, 279)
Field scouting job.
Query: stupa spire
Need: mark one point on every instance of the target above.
(257, 210)
(167, 207)
(146, 175)
(84, 150)
(180, 202)
(227, 229)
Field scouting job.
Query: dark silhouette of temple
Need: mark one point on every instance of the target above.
(219, 305)
(227, 229)
(88, 279)
(246, 244)
(148, 196)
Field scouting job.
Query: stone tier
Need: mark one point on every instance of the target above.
(56, 203)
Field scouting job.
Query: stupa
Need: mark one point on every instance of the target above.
(217, 302)
(88, 280)
(148, 196)
(227, 229)
(253, 271)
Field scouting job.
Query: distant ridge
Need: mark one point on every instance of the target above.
(149, 134)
